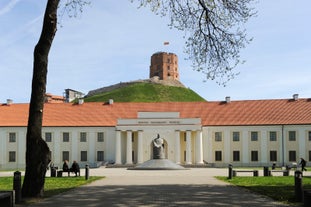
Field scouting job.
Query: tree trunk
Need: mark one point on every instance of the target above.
(37, 151)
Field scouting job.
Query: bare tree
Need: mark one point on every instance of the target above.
(213, 30)
(37, 151)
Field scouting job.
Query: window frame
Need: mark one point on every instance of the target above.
(12, 137)
(218, 136)
(218, 156)
(273, 136)
(254, 136)
(235, 136)
(66, 138)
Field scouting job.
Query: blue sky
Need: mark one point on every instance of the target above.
(112, 41)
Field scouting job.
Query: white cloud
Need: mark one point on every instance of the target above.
(8, 7)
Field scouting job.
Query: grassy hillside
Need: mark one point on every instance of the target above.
(147, 92)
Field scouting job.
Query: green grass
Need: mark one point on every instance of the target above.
(147, 92)
(280, 188)
(53, 185)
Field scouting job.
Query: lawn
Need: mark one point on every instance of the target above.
(280, 188)
(53, 185)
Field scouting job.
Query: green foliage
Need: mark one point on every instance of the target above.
(280, 188)
(146, 92)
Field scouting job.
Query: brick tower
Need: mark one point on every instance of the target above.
(164, 65)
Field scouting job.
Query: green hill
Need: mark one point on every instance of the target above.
(147, 92)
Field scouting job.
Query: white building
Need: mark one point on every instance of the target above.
(243, 133)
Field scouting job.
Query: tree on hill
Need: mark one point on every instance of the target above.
(213, 45)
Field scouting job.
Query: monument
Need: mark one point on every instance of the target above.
(158, 162)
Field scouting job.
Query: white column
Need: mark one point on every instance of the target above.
(188, 148)
(245, 153)
(264, 146)
(301, 143)
(57, 155)
(227, 146)
(199, 148)
(92, 146)
(118, 147)
(129, 147)
(140, 147)
(177, 147)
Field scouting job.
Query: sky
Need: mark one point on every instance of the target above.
(112, 41)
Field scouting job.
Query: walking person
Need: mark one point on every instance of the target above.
(303, 164)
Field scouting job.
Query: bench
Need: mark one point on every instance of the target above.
(60, 173)
(255, 172)
(285, 172)
(6, 198)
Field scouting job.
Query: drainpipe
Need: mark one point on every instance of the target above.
(283, 145)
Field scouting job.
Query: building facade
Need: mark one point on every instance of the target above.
(242, 133)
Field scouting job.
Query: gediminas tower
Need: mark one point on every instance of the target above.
(164, 65)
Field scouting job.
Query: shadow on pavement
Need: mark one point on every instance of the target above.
(158, 195)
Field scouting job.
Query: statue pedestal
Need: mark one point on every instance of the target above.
(158, 164)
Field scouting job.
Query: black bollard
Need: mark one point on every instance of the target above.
(17, 183)
(298, 186)
(230, 171)
(87, 170)
(265, 171)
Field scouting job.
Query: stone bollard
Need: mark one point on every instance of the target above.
(265, 171)
(298, 186)
(87, 171)
(17, 183)
(230, 172)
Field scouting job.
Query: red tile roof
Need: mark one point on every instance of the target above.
(251, 112)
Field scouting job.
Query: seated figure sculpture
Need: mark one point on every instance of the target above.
(158, 148)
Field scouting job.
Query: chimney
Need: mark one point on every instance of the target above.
(81, 101)
(9, 102)
(110, 101)
(228, 99)
(295, 97)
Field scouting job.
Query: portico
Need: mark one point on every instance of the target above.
(182, 136)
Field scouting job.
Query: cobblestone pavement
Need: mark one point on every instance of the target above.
(154, 188)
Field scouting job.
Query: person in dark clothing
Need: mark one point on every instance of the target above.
(66, 167)
(303, 164)
(75, 168)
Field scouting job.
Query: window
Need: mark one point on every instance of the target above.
(83, 156)
(12, 156)
(292, 135)
(65, 155)
(100, 136)
(254, 156)
(272, 136)
(254, 136)
(65, 136)
(218, 136)
(218, 156)
(82, 136)
(100, 155)
(12, 137)
(48, 136)
(236, 156)
(309, 135)
(292, 156)
(309, 155)
(236, 136)
(273, 156)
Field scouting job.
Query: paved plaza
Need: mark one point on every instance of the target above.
(123, 188)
